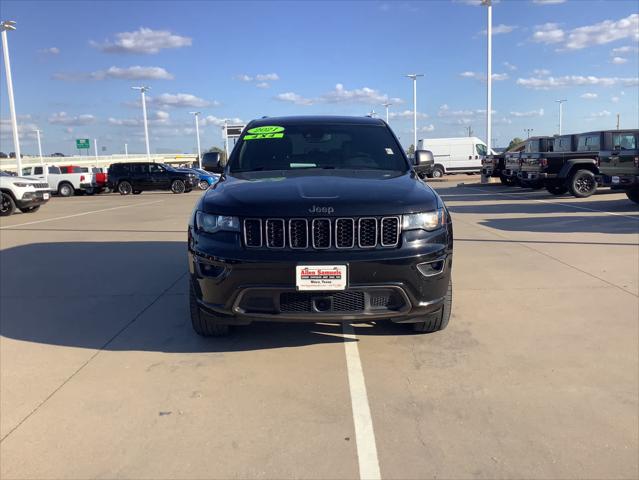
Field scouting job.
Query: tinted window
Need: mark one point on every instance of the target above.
(321, 146)
(624, 141)
(139, 168)
(26, 171)
(481, 149)
(155, 168)
(37, 171)
(588, 143)
(532, 146)
(54, 170)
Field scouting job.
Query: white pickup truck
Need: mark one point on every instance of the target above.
(23, 193)
(64, 184)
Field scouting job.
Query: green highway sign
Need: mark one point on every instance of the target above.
(82, 143)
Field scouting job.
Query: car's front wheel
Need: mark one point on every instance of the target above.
(204, 324)
(177, 186)
(7, 205)
(203, 185)
(438, 320)
(65, 189)
(438, 172)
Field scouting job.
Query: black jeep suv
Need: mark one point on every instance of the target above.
(137, 177)
(319, 219)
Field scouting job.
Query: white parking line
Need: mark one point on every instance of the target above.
(364, 433)
(79, 214)
(559, 203)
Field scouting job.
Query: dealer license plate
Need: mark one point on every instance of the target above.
(45, 196)
(320, 277)
(615, 180)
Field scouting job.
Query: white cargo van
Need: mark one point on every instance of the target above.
(455, 155)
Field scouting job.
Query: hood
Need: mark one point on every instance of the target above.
(333, 193)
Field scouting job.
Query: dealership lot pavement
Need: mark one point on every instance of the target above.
(536, 376)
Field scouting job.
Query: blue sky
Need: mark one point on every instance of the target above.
(74, 63)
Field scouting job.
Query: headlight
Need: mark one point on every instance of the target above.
(21, 184)
(426, 221)
(215, 223)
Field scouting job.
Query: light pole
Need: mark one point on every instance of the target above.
(126, 151)
(386, 105)
(561, 112)
(39, 147)
(142, 90)
(95, 150)
(489, 77)
(4, 26)
(414, 76)
(197, 136)
(528, 130)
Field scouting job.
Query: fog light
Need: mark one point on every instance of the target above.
(428, 269)
(210, 270)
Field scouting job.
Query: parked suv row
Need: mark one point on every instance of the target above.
(575, 163)
(137, 177)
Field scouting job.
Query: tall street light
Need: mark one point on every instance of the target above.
(5, 26)
(561, 112)
(95, 150)
(39, 146)
(197, 136)
(528, 130)
(142, 90)
(489, 76)
(386, 105)
(414, 76)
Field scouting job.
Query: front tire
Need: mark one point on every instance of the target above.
(30, 209)
(7, 205)
(203, 185)
(438, 320)
(125, 188)
(177, 186)
(205, 324)
(633, 195)
(438, 172)
(583, 184)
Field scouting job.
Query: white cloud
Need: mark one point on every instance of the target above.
(219, 122)
(603, 113)
(181, 100)
(465, 117)
(510, 66)
(615, 99)
(541, 72)
(263, 85)
(359, 95)
(501, 28)
(25, 131)
(406, 114)
(62, 118)
(548, 33)
(157, 117)
(426, 128)
(589, 96)
(267, 77)
(243, 77)
(624, 49)
(619, 60)
(589, 35)
(144, 40)
(292, 97)
(50, 51)
(548, 2)
(549, 83)
(482, 76)
(128, 73)
(530, 114)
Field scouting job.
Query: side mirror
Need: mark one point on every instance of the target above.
(424, 158)
(212, 162)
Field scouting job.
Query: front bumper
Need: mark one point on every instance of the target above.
(381, 284)
(510, 172)
(33, 199)
(489, 171)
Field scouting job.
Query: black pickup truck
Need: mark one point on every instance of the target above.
(619, 162)
(571, 166)
(512, 165)
(535, 148)
(493, 165)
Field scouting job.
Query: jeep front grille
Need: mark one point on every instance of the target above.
(322, 233)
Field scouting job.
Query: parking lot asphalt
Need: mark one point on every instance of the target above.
(536, 376)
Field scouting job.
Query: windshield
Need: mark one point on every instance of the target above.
(319, 146)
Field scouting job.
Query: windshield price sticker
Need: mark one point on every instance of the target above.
(267, 132)
(320, 277)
